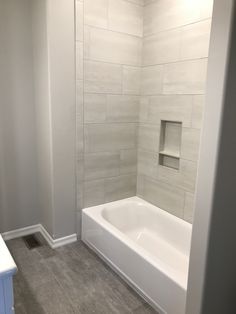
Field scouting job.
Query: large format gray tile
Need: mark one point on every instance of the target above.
(100, 77)
(101, 165)
(152, 80)
(195, 40)
(131, 80)
(148, 163)
(144, 109)
(95, 106)
(122, 108)
(79, 21)
(187, 77)
(168, 14)
(164, 195)
(125, 17)
(94, 192)
(163, 47)
(139, 2)
(120, 187)
(96, 13)
(110, 108)
(148, 137)
(198, 111)
(128, 161)
(170, 108)
(108, 46)
(110, 136)
(140, 185)
(189, 207)
(183, 179)
(206, 8)
(190, 144)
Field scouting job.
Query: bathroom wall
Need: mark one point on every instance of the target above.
(153, 53)
(61, 44)
(109, 51)
(37, 115)
(175, 51)
(42, 107)
(54, 85)
(18, 175)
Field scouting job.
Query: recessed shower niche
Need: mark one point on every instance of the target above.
(170, 144)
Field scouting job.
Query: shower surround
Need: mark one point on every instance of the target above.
(139, 63)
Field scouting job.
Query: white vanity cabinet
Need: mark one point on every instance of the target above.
(7, 271)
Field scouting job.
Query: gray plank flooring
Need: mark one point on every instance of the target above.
(69, 280)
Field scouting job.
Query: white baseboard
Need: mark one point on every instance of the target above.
(21, 232)
(53, 243)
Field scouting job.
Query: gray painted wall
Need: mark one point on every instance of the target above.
(43, 112)
(54, 80)
(19, 205)
(61, 48)
(37, 157)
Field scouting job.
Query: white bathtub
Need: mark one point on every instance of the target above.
(147, 246)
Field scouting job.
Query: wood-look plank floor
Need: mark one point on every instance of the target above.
(69, 280)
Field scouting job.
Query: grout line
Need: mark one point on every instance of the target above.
(110, 122)
(130, 124)
(113, 31)
(134, 3)
(137, 66)
(138, 95)
(143, 95)
(113, 151)
(170, 95)
(130, 174)
(150, 123)
(174, 62)
(177, 27)
(112, 94)
(156, 179)
(142, 66)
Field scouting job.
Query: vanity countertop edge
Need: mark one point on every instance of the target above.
(7, 264)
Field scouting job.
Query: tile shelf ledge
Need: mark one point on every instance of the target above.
(170, 153)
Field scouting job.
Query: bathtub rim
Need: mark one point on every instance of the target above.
(144, 254)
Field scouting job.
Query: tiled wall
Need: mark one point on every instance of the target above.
(139, 62)
(109, 55)
(175, 51)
